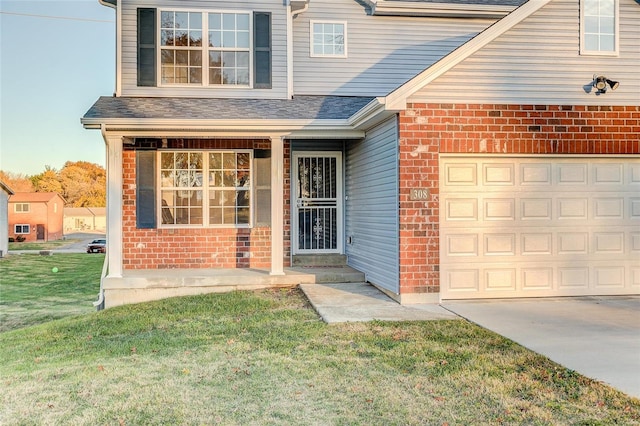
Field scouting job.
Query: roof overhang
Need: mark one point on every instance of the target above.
(226, 128)
(438, 10)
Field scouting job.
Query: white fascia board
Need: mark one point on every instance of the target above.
(226, 128)
(409, 8)
(397, 100)
(371, 114)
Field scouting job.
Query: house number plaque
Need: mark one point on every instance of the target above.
(419, 194)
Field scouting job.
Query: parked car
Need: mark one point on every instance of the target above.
(97, 246)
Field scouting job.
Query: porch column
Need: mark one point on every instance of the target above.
(114, 204)
(277, 205)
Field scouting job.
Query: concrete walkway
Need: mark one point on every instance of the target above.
(599, 337)
(357, 302)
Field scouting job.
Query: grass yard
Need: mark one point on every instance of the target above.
(47, 245)
(255, 358)
(31, 293)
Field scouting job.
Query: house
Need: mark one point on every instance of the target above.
(5, 193)
(35, 216)
(448, 150)
(84, 219)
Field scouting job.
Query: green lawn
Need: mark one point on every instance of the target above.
(47, 245)
(31, 293)
(264, 357)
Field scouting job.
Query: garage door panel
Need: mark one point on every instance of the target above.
(534, 227)
(634, 208)
(572, 174)
(535, 174)
(498, 174)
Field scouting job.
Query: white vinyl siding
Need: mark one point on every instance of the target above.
(383, 52)
(539, 62)
(128, 72)
(539, 226)
(371, 186)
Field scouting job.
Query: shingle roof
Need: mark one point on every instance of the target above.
(298, 108)
(33, 197)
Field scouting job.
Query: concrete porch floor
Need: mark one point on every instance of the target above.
(144, 285)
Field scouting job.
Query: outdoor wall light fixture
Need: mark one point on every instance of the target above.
(600, 82)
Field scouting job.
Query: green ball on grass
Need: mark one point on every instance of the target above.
(54, 269)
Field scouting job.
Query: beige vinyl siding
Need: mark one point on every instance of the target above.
(279, 52)
(539, 62)
(383, 52)
(371, 206)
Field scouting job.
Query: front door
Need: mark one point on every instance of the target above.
(317, 202)
(40, 232)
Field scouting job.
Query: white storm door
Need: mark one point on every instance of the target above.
(317, 203)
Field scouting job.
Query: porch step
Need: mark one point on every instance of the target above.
(319, 260)
(331, 274)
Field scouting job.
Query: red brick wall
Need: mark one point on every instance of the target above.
(193, 248)
(429, 129)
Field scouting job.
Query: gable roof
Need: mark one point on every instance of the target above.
(34, 197)
(444, 8)
(397, 99)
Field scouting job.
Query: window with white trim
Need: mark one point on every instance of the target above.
(205, 188)
(200, 48)
(329, 39)
(22, 229)
(599, 27)
(21, 207)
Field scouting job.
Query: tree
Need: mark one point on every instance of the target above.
(47, 181)
(18, 182)
(84, 184)
(80, 183)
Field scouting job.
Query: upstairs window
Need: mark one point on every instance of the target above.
(599, 27)
(21, 208)
(203, 49)
(328, 39)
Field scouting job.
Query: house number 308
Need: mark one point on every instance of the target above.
(419, 194)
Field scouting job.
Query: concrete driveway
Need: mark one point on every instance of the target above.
(599, 337)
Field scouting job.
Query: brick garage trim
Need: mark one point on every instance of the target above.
(427, 130)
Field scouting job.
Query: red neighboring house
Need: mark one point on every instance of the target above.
(36, 216)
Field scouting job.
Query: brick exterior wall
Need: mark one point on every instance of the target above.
(192, 248)
(427, 130)
(49, 214)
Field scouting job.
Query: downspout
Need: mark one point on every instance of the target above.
(99, 304)
(290, 15)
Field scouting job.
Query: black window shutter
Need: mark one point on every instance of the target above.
(146, 47)
(262, 50)
(145, 189)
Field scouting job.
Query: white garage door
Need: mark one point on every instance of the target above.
(533, 227)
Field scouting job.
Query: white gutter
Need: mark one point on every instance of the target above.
(442, 10)
(291, 13)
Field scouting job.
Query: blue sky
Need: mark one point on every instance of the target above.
(51, 71)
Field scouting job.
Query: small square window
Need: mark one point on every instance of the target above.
(328, 39)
